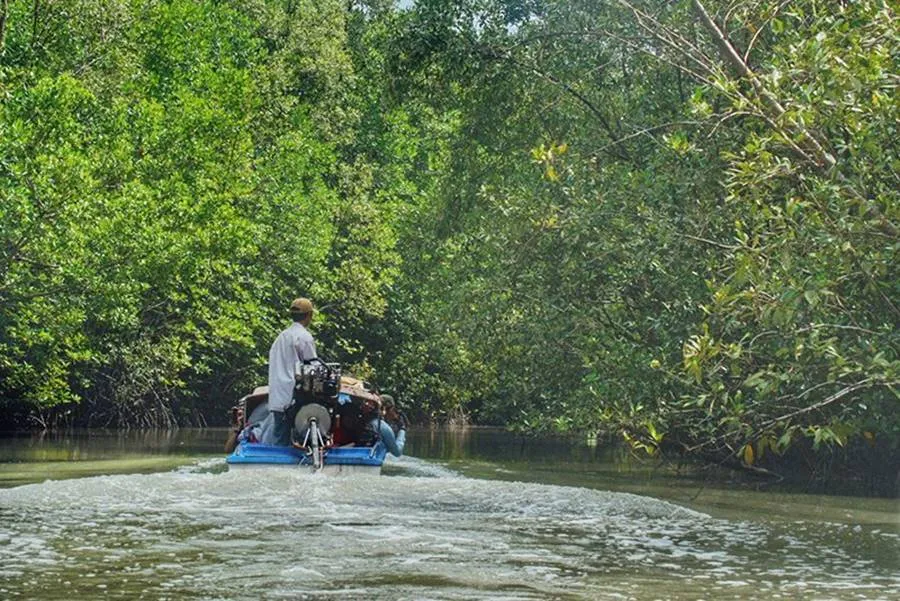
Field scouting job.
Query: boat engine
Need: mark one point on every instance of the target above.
(316, 381)
(315, 391)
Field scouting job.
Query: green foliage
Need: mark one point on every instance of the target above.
(644, 233)
(173, 173)
(674, 222)
(801, 328)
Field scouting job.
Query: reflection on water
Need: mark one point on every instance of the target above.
(82, 445)
(463, 524)
(487, 453)
(26, 458)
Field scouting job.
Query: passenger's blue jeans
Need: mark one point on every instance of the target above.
(394, 444)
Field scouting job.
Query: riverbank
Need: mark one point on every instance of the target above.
(480, 452)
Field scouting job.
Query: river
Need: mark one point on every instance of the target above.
(467, 515)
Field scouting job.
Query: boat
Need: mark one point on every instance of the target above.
(331, 430)
(336, 460)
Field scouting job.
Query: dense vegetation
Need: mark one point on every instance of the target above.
(672, 221)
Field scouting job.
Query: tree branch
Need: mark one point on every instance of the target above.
(619, 152)
(762, 28)
(732, 57)
(4, 12)
(867, 383)
(646, 131)
(725, 47)
(710, 242)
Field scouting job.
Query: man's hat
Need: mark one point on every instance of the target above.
(301, 305)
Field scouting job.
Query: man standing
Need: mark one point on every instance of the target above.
(293, 344)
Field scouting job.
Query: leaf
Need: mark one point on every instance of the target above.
(784, 441)
(747, 454)
(761, 446)
(654, 433)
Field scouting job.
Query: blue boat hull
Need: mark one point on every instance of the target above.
(336, 460)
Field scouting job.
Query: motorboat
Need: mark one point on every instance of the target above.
(338, 426)
(335, 460)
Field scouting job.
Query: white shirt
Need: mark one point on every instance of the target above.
(292, 345)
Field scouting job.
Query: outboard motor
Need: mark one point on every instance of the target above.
(312, 425)
(315, 392)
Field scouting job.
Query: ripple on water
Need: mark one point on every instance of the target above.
(203, 533)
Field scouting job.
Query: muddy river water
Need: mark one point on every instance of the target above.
(471, 515)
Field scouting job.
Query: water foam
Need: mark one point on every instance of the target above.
(425, 532)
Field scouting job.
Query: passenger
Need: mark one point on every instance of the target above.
(237, 426)
(391, 426)
(254, 429)
(293, 344)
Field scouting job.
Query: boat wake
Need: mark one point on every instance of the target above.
(419, 531)
(415, 467)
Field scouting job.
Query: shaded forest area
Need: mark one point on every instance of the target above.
(669, 222)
